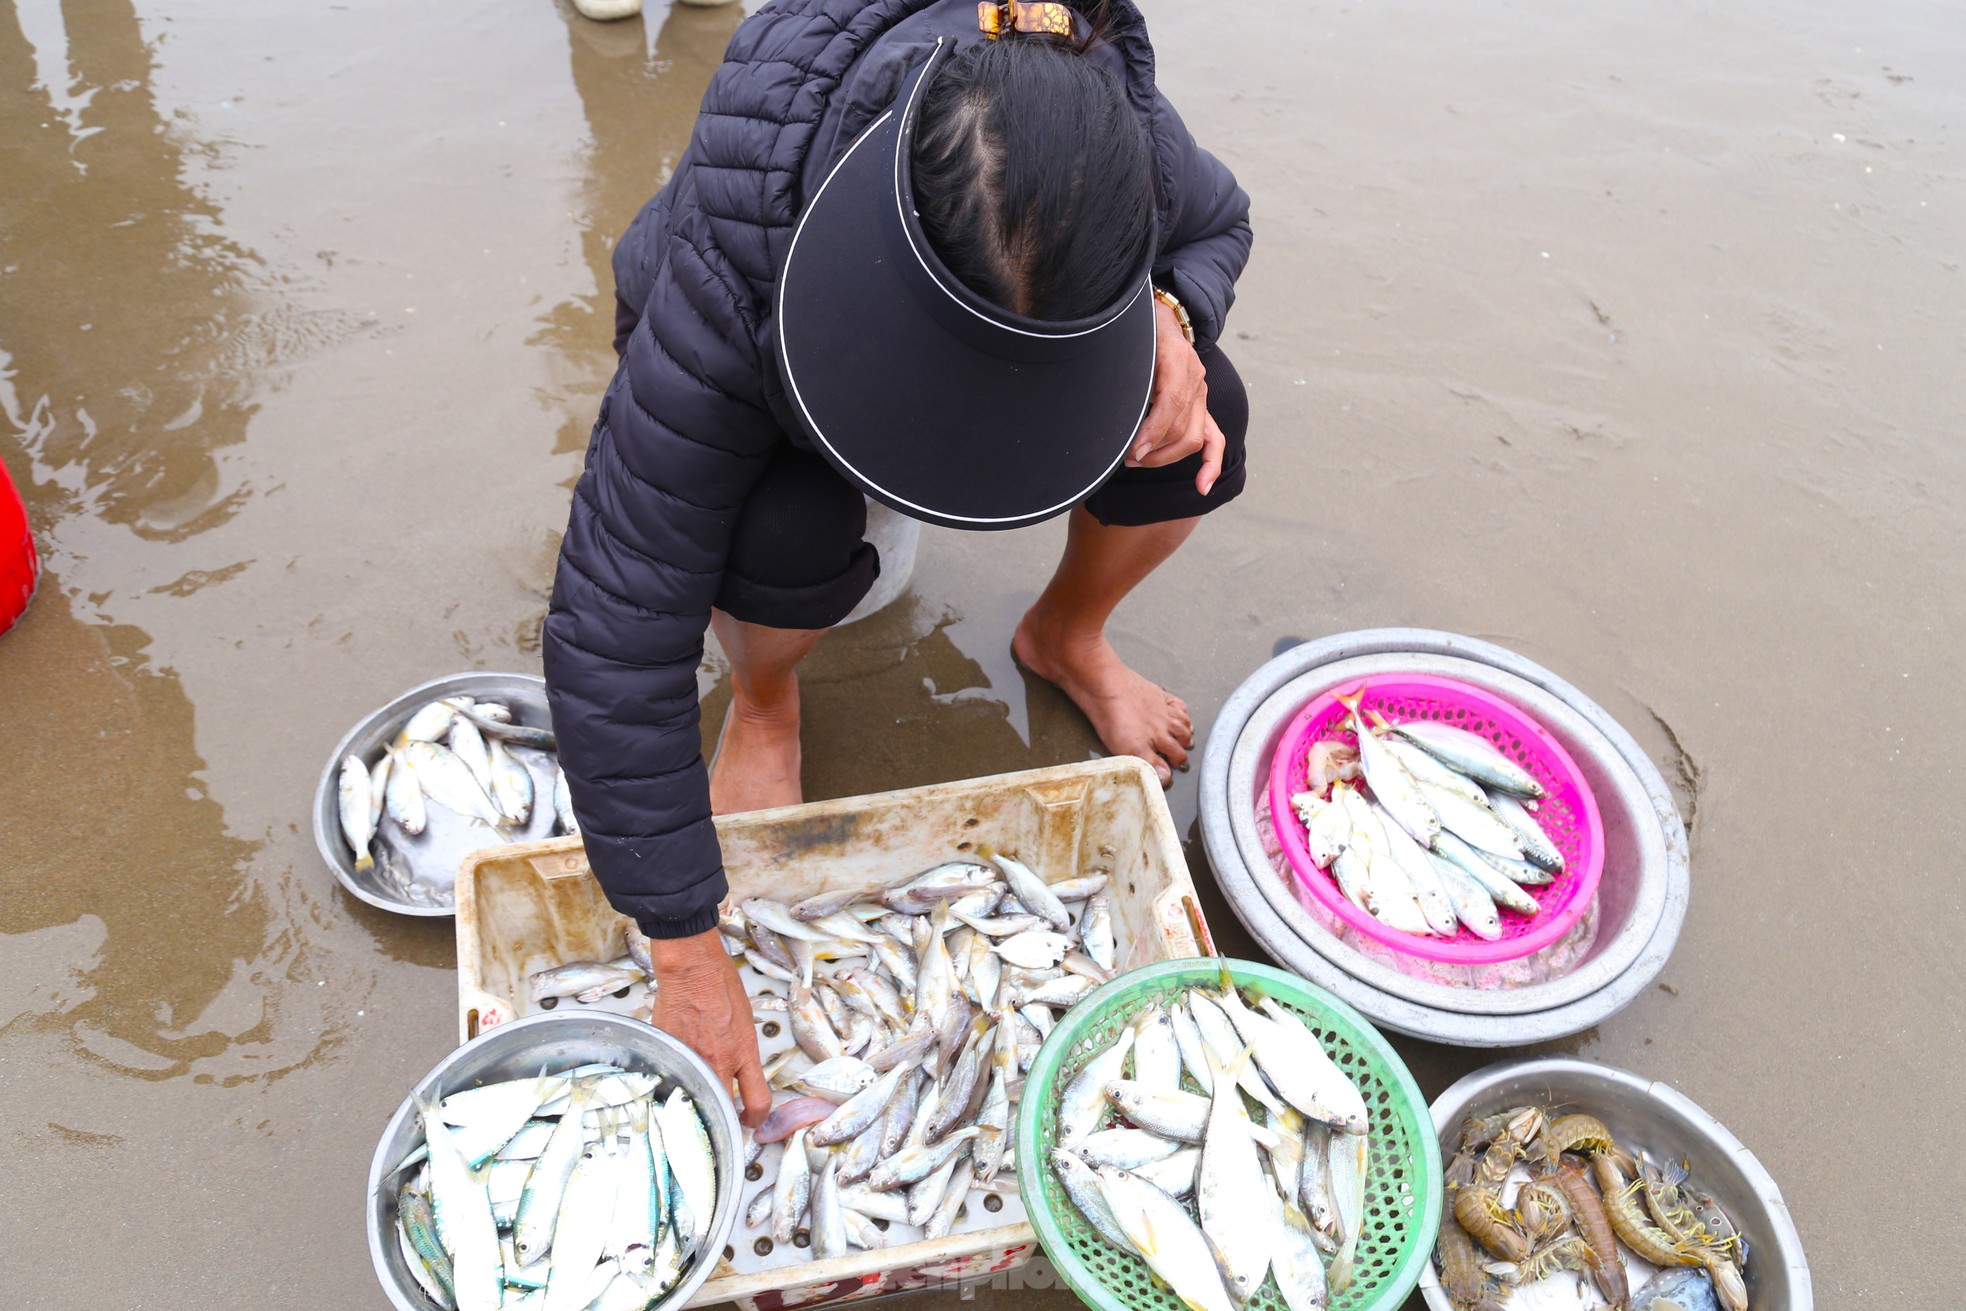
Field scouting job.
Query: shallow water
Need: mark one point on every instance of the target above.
(1631, 340)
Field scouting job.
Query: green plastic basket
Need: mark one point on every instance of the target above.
(1403, 1189)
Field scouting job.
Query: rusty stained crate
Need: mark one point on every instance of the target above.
(531, 906)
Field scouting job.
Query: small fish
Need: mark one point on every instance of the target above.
(1084, 1099)
(1170, 1114)
(835, 1080)
(1096, 932)
(511, 784)
(793, 1189)
(1230, 1191)
(1156, 1057)
(852, 1117)
(1035, 894)
(1126, 1149)
(402, 796)
(1171, 1243)
(430, 723)
(1471, 755)
(468, 745)
(1174, 1175)
(1080, 888)
(1036, 950)
(563, 803)
(1081, 1184)
(818, 907)
(829, 1237)
(1395, 789)
(585, 980)
(354, 796)
(1491, 880)
(539, 739)
(788, 1117)
(1536, 844)
(912, 1164)
(446, 781)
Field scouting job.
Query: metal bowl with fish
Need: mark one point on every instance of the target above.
(414, 830)
(544, 1121)
(1655, 1123)
(1317, 1179)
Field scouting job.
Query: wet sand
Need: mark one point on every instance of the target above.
(1631, 340)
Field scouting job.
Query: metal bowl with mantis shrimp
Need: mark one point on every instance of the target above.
(1605, 1113)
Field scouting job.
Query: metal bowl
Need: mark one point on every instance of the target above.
(522, 1048)
(525, 693)
(1642, 900)
(1643, 1113)
(1631, 896)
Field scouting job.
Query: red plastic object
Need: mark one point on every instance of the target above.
(20, 567)
(1568, 813)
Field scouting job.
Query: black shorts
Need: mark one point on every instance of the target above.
(799, 558)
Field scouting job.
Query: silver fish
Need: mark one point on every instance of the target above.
(354, 792)
(1231, 1186)
(828, 1222)
(402, 797)
(511, 784)
(468, 745)
(1171, 1114)
(1496, 884)
(1082, 1186)
(1473, 907)
(1126, 1149)
(819, 906)
(861, 1110)
(1096, 932)
(1173, 1175)
(563, 803)
(943, 1219)
(1084, 1099)
(1348, 1166)
(778, 918)
(446, 781)
(1156, 1057)
(1411, 857)
(1394, 788)
(1079, 889)
(582, 977)
(912, 1164)
(1471, 755)
(1298, 1269)
(461, 1203)
(810, 1028)
(1036, 950)
(1036, 896)
(1172, 1245)
(431, 722)
(836, 1080)
(1424, 766)
(1473, 823)
(540, 739)
(1220, 1040)
(793, 1189)
(1188, 1039)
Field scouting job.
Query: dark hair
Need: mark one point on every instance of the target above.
(1033, 177)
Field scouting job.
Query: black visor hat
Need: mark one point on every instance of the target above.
(925, 395)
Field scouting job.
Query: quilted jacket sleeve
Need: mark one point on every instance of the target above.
(1206, 241)
(683, 434)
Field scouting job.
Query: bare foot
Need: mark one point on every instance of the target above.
(1132, 715)
(757, 763)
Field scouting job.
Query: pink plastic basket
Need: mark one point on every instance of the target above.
(1568, 812)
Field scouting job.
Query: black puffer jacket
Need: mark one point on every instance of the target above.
(688, 422)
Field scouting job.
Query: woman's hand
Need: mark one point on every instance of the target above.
(1178, 423)
(700, 1000)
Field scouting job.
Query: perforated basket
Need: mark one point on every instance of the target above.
(1403, 1187)
(1567, 813)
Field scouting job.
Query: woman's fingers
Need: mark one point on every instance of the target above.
(752, 1090)
(1212, 443)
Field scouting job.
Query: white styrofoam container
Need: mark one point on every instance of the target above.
(531, 906)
